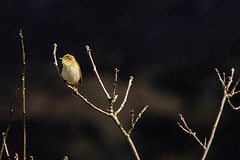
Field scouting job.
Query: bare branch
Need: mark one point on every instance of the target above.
(23, 98)
(96, 72)
(220, 78)
(189, 131)
(225, 89)
(111, 100)
(230, 79)
(10, 114)
(125, 99)
(116, 120)
(136, 120)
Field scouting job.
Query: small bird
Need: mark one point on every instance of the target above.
(71, 71)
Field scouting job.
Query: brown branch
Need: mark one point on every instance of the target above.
(225, 89)
(111, 100)
(189, 131)
(226, 96)
(116, 120)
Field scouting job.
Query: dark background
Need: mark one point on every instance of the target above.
(171, 48)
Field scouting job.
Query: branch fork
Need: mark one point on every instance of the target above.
(111, 99)
(227, 94)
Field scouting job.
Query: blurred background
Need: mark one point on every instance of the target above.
(171, 48)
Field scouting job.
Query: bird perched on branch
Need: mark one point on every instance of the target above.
(71, 71)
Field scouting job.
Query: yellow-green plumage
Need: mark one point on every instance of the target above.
(71, 71)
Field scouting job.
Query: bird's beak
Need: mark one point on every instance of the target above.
(61, 58)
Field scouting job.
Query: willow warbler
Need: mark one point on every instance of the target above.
(71, 71)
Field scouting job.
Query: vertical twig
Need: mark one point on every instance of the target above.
(125, 98)
(114, 96)
(55, 60)
(20, 82)
(23, 98)
(225, 89)
(10, 114)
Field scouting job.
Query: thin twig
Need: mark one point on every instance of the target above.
(96, 72)
(126, 95)
(23, 98)
(189, 131)
(5, 145)
(113, 99)
(220, 78)
(114, 96)
(235, 86)
(233, 107)
(136, 120)
(10, 114)
(132, 120)
(55, 60)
